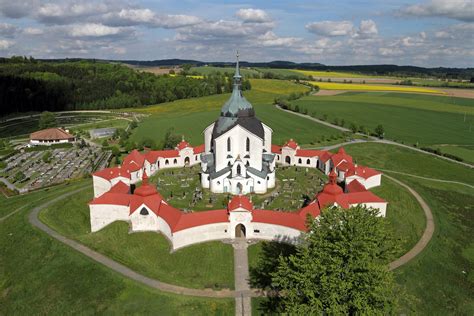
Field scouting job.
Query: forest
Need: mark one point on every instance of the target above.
(29, 85)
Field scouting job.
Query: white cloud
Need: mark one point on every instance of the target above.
(367, 29)
(8, 30)
(253, 15)
(331, 28)
(94, 30)
(4, 44)
(33, 31)
(270, 39)
(455, 9)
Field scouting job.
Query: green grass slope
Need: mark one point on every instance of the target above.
(39, 275)
(147, 253)
(410, 118)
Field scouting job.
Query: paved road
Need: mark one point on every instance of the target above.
(373, 139)
(427, 234)
(241, 272)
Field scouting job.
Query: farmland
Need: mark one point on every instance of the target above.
(410, 118)
(207, 70)
(372, 87)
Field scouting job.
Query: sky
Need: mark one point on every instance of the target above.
(429, 33)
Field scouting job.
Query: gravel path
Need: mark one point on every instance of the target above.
(427, 234)
(243, 304)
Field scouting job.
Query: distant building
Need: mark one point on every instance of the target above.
(102, 132)
(51, 136)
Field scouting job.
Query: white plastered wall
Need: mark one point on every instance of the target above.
(102, 215)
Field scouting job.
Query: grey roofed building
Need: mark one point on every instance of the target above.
(102, 132)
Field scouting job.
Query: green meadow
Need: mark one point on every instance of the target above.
(42, 276)
(190, 117)
(147, 253)
(410, 118)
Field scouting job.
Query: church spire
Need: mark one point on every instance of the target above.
(237, 75)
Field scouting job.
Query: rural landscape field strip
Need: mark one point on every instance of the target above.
(372, 87)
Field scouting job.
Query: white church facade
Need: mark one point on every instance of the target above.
(237, 157)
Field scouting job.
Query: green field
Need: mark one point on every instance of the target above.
(411, 118)
(190, 117)
(147, 253)
(464, 152)
(41, 276)
(207, 70)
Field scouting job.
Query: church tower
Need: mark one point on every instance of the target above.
(237, 157)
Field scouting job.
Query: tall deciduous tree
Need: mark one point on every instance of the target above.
(47, 119)
(340, 267)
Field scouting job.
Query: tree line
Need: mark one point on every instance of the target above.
(30, 85)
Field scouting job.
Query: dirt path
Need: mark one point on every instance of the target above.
(426, 178)
(427, 234)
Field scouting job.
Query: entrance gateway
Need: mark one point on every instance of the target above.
(240, 231)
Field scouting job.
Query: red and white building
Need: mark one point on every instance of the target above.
(237, 157)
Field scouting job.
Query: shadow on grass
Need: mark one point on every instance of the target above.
(260, 275)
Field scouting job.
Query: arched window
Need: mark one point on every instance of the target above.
(247, 144)
(175, 161)
(308, 162)
(239, 169)
(228, 163)
(299, 160)
(167, 162)
(247, 163)
(228, 144)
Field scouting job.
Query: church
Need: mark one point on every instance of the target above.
(237, 156)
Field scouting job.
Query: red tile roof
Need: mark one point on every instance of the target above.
(112, 173)
(276, 149)
(110, 198)
(240, 201)
(172, 153)
(189, 220)
(291, 143)
(199, 149)
(182, 144)
(340, 156)
(355, 186)
(120, 187)
(286, 219)
(325, 156)
(362, 171)
(51, 134)
(309, 153)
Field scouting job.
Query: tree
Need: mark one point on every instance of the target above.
(379, 131)
(171, 139)
(353, 128)
(340, 267)
(47, 120)
(46, 157)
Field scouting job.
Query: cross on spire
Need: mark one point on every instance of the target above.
(237, 75)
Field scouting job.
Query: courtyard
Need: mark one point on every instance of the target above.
(295, 186)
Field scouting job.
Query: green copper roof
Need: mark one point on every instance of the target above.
(237, 105)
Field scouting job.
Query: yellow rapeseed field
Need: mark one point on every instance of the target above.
(367, 87)
(331, 74)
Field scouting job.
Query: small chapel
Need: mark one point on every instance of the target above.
(237, 156)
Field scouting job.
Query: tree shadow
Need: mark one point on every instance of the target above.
(260, 275)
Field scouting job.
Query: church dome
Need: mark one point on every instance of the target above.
(237, 111)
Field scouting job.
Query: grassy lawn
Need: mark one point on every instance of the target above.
(441, 278)
(372, 87)
(42, 276)
(410, 118)
(110, 123)
(464, 152)
(147, 253)
(283, 72)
